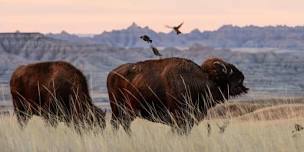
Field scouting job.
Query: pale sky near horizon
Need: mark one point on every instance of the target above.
(96, 16)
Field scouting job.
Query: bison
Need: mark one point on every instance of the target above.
(57, 91)
(172, 91)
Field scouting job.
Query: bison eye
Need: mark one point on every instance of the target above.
(240, 81)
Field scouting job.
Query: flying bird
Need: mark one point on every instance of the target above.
(146, 38)
(176, 28)
(155, 51)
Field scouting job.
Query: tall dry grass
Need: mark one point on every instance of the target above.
(249, 136)
(230, 134)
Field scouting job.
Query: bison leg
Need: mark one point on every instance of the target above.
(22, 117)
(50, 119)
(21, 110)
(98, 123)
(183, 124)
(114, 122)
(97, 117)
(102, 123)
(126, 123)
(185, 129)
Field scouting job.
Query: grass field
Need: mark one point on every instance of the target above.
(255, 127)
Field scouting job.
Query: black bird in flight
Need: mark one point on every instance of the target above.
(155, 51)
(176, 28)
(146, 38)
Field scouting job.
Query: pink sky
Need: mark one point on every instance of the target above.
(95, 16)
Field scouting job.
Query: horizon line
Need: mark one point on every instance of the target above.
(146, 26)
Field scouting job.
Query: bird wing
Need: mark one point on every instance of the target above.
(180, 25)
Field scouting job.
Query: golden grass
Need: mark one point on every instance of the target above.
(246, 136)
(252, 127)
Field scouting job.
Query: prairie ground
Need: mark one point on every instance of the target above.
(250, 127)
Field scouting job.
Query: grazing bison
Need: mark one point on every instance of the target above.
(172, 91)
(56, 91)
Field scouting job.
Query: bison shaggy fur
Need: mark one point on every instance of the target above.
(56, 91)
(172, 91)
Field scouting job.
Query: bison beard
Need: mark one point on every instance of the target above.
(56, 91)
(172, 91)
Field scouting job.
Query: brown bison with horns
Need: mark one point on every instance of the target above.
(172, 91)
(56, 91)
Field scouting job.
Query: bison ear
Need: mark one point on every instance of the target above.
(222, 66)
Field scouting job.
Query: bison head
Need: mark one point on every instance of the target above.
(225, 76)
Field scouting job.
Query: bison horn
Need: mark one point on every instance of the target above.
(221, 64)
(231, 72)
